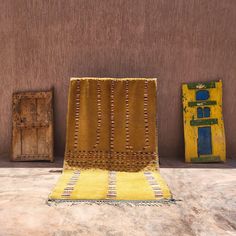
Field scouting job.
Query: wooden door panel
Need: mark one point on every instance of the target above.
(42, 113)
(27, 111)
(43, 142)
(29, 141)
(32, 137)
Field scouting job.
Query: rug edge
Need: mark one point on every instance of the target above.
(160, 202)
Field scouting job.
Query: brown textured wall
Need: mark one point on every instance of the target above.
(45, 42)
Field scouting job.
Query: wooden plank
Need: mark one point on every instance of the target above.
(29, 141)
(42, 141)
(32, 137)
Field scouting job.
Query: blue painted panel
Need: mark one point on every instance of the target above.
(207, 112)
(204, 141)
(202, 95)
(199, 112)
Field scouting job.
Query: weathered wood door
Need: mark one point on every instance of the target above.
(32, 138)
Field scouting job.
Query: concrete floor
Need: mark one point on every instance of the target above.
(207, 205)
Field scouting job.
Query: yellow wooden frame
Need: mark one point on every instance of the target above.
(190, 117)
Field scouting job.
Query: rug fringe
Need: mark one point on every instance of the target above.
(130, 203)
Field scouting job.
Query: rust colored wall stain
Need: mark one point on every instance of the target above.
(44, 43)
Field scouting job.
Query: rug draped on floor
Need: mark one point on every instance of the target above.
(111, 143)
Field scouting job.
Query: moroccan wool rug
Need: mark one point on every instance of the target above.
(111, 143)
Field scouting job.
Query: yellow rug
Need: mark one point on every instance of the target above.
(111, 143)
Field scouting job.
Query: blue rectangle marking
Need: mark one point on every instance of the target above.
(204, 141)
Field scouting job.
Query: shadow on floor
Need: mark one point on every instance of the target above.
(5, 162)
(175, 163)
(164, 163)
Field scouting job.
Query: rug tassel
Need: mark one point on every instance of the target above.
(110, 202)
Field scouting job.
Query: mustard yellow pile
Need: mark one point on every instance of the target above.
(111, 143)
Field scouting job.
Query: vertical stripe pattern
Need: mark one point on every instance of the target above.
(71, 185)
(153, 183)
(111, 194)
(112, 117)
(146, 126)
(77, 115)
(99, 114)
